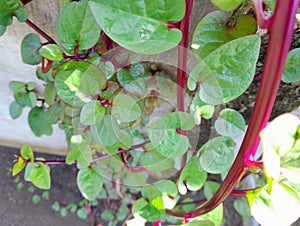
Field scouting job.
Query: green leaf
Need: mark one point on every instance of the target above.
(76, 81)
(63, 212)
(89, 182)
(270, 3)
(199, 110)
(108, 68)
(215, 216)
(210, 188)
(45, 195)
(11, 8)
(15, 110)
(107, 215)
(40, 176)
(30, 49)
(38, 122)
(280, 143)
(49, 93)
(227, 5)
(167, 187)
(164, 137)
(212, 32)
(192, 177)
(292, 67)
(27, 153)
(76, 27)
(47, 77)
(26, 99)
(92, 113)
(55, 112)
(30, 86)
(52, 52)
(107, 131)
(82, 213)
(198, 223)
(125, 108)
(140, 26)
(17, 87)
(28, 169)
(241, 205)
(216, 156)
(279, 207)
(219, 72)
(56, 206)
(85, 157)
(18, 166)
(36, 199)
(132, 79)
(230, 123)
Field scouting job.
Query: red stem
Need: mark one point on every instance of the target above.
(25, 1)
(182, 64)
(281, 31)
(263, 23)
(40, 31)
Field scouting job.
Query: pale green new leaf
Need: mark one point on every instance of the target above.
(52, 52)
(292, 67)
(40, 176)
(92, 112)
(227, 5)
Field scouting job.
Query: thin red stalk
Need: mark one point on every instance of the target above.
(263, 23)
(40, 31)
(281, 31)
(182, 64)
(25, 1)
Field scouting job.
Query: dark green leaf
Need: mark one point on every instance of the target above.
(2, 29)
(52, 52)
(18, 166)
(132, 79)
(164, 137)
(89, 182)
(15, 110)
(49, 93)
(38, 122)
(125, 108)
(40, 176)
(92, 113)
(10, 8)
(27, 153)
(47, 77)
(107, 131)
(140, 26)
(230, 123)
(241, 205)
(55, 113)
(292, 67)
(30, 49)
(216, 156)
(227, 5)
(76, 27)
(26, 99)
(219, 72)
(192, 177)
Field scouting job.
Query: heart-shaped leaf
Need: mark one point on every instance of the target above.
(40, 176)
(76, 27)
(89, 182)
(199, 110)
(140, 26)
(30, 49)
(92, 112)
(38, 122)
(292, 67)
(52, 52)
(227, 5)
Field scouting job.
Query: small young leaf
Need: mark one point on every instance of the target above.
(107, 131)
(92, 112)
(17, 87)
(210, 189)
(89, 182)
(36, 199)
(20, 186)
(18, 166)
(38, 122)
(15, 110)
(27, 153)
(30, 49)
(230, 123)
(227, 5)
(125, 108)
(45, 195)
(292, 66)
(49, 93)
(149, 32)
(107, 215)
(199, 109)
(10, 8)
(30, 85)
(52, 52)
(76, 27)
(192, 176)
(56, 206)
(108, 68)
(63, 212)
(216, 156)
(241, 205)
(82, 213)
(132, 79)
(40, 176)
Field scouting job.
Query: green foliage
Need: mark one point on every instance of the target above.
(138, 26)
(38, 121)
(52, 52)
(30, 49)
(227, 5)
(292, 65)
(11, 8)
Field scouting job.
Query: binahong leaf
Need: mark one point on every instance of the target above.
(40, 176)
(30, 49)
(52, 52)
(227, 5)
(140, 26)
(10, 8)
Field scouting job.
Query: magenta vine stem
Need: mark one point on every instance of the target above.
(40, 31)
(182, 64)
(281, 28)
